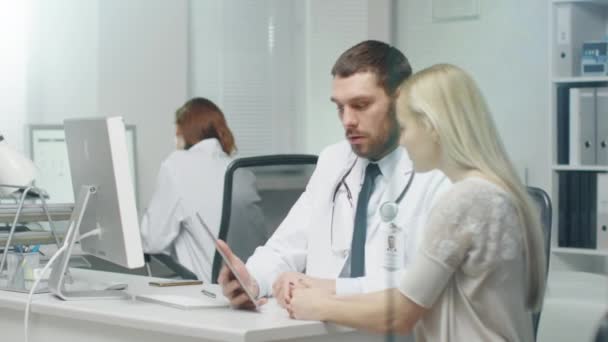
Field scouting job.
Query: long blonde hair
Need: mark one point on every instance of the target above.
(446, 99)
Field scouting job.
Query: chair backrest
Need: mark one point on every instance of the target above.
(602, 330)
(258, 193)
(542, 200)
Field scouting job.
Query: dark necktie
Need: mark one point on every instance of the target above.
(357, 258)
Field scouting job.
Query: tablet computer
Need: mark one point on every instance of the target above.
(226, 261)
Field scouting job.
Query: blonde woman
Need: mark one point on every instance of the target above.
(479, 269)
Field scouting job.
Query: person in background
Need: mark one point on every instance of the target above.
(480, 268)
(191, 180)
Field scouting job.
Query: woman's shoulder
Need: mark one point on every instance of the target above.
(178, 157)
(477, 217)
(475, 195)
(174, 158)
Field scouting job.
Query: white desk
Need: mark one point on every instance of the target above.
(128, 320)
(574, 304)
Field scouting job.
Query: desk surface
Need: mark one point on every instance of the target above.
(270, 324)
(573, 306)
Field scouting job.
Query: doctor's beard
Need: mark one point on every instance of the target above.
(383, 142)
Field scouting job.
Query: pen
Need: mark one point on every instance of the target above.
(208, 293)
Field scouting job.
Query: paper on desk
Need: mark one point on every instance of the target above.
(184, 302)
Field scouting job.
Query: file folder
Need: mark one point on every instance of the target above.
(563, 125)
(582, 126)
(574, 207)
(588, 209)
(575, 23)
(564, 64)
(564, 217)
(601, 112)
(602, 211)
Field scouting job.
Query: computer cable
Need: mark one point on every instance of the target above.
(61, 250)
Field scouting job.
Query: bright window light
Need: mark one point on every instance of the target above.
(13, 68)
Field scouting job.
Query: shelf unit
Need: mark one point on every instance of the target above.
(586, 20)
(577, 276)
(589, 168)
(580, 251)
(581, 79)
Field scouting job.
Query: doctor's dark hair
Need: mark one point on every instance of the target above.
(389, 64)
(199, 119)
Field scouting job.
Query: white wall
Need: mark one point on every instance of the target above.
(142, 72)
(330, 28)
(242, 58)
(112, 57)
(14, 20)
(63, 58)
(133, 58)
(506, 52)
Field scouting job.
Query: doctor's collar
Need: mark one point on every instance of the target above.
(388, 164)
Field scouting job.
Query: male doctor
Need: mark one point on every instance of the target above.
(331, 238)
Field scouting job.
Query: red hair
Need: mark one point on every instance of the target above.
(199, 119)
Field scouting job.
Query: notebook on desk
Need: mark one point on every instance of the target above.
(184, 302)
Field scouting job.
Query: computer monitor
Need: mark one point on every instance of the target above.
(105, 199)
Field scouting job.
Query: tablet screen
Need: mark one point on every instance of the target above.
(226, 261)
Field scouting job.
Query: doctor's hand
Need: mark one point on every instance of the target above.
(283, 287)
(231, 287)
(309, 304)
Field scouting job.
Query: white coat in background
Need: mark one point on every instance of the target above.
(303, 242)
(191, 181)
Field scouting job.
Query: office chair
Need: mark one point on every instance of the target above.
(542, 200)
(602, 330)
(279, 181)
(170, 267)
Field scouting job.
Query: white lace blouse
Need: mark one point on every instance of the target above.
(469, 269)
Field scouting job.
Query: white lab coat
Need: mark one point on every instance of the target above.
(188, 182)
(302, 243)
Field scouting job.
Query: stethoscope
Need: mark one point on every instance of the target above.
(349, 196)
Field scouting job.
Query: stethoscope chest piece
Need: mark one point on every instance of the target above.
(388, 211)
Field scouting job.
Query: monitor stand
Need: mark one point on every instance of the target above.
(57, 278)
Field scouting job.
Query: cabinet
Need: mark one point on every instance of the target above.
(579, 122)
(577, 293)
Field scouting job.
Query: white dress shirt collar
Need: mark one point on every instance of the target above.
(388, 164)
(210, 145)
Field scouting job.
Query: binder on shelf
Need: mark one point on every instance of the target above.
(563, 126)
(582, 126)
(563, 62)
(588, 204)
(584, 227)
(563, 226)
(575, 23)
(593, 191)
(601, 112)
(574, 207)
(602, 211)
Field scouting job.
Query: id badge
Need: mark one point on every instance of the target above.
(393, 245)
